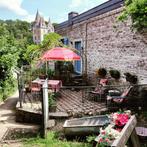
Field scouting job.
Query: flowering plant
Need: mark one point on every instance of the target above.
(106, 136)
(120, 119)
(112, 131)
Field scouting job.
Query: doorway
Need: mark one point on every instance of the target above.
(78, 64)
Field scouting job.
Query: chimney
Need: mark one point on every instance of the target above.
(71, 15)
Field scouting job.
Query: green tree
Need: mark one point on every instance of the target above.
(8, 60)
(32, 53)
(50, 40)
(137, 10)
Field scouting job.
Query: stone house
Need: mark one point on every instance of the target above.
(105, 42)
(40, 28)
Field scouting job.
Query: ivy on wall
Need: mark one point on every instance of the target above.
(137, 10)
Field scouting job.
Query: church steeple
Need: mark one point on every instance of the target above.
(37, 16)
(50, 26)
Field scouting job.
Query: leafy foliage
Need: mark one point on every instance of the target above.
(52, 141)
(14, 38)
(137, 10)
(50, 40)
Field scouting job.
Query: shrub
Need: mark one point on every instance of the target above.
(9, 86)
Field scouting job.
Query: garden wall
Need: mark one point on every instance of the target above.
(110, 44)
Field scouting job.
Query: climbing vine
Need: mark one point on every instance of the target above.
(137, 10)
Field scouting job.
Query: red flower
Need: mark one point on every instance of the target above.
(122, 119)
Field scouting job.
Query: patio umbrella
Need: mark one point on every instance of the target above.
(60, 54)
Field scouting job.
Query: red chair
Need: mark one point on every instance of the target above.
(36, 90)
(114, 100)
(99, 91)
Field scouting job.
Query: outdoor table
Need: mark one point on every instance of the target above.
(55, 85)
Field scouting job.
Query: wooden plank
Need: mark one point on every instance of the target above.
(125, 133)
(134, 139)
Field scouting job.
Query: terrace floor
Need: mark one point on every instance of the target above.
(74, 103)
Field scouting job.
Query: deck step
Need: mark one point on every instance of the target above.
(56, 115)
(51, 123)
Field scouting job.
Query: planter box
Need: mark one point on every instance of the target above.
(86, 125)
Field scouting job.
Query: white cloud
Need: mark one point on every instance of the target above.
(13, 5)
(75, 3)
(29, 17)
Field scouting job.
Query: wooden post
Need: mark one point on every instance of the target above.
(44, 109)
(134, 139)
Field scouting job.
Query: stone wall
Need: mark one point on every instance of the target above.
(110, 44)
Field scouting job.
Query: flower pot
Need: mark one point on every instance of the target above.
(52, 108)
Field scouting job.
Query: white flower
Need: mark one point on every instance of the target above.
(128, 112)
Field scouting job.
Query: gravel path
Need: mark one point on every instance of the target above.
(7, 119)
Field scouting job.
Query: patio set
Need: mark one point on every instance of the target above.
(112, 96)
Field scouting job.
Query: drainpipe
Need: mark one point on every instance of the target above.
(86, 49)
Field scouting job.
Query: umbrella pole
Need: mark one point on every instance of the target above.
(46, 69)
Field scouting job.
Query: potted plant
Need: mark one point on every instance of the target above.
(50, 73)
(133, 79)
(101, 72)
(52, 102)
(115, 74)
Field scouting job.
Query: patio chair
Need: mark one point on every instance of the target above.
(100, 91)
(27, 94)
(36, 90)
(117, 99)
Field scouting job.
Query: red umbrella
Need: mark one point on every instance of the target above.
(60, 54)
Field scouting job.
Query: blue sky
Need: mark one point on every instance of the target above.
(57, 10)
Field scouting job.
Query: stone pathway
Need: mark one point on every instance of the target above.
(7, 118)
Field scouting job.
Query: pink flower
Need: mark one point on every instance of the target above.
(107, 140)
(103, 132)
(100, 140)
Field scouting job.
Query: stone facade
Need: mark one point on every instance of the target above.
(110, 44)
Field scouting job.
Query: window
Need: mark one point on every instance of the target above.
(65, 41)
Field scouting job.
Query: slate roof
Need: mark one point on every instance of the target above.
(98, 10)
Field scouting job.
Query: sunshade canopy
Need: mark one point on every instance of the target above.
(60, 54)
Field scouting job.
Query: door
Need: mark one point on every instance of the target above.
(78, 64)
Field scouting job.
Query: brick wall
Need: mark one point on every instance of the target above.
(110, 44)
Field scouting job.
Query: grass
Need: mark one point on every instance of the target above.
(53, 141)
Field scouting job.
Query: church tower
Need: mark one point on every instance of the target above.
(40, 28)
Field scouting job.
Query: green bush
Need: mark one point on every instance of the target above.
(51, 99)
(9, 86)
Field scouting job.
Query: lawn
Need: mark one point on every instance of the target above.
(53, 141)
